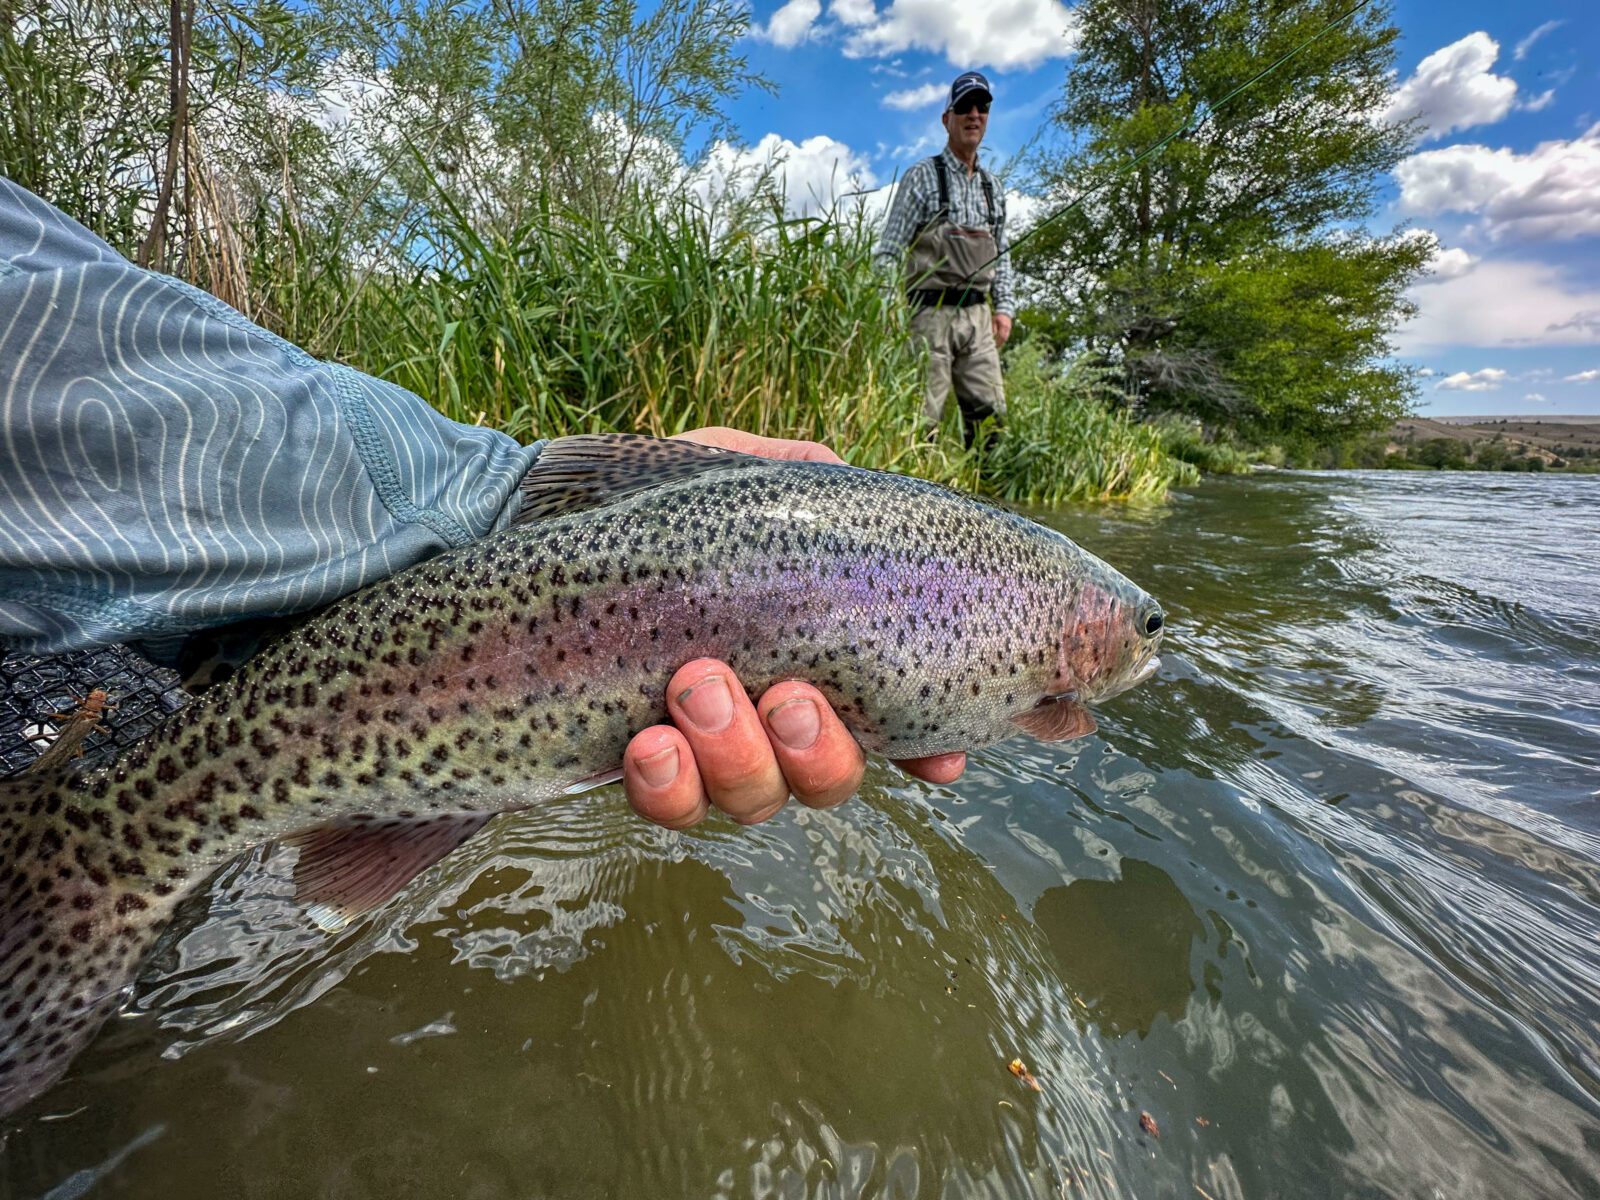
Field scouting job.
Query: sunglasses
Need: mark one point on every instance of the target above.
(963, 107)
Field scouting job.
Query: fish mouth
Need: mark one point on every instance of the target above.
(1144, 672)
(1148, 668)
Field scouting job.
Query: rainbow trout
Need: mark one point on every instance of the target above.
(385, 731)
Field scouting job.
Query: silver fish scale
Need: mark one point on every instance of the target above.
(925, 617)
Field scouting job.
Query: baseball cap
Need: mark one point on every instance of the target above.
(966, 84)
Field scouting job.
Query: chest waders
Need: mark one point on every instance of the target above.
(951, 269)
(953, 265)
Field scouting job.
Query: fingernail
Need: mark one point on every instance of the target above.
(708, 704)
(796, 723)
(661, 768)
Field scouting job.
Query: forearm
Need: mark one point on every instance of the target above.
(165, 465)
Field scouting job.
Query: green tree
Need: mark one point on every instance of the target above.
(1229, 275)
(1491, 456)
(282, 154)
(1442, 454)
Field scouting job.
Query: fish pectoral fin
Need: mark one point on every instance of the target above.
(592, 470)
(1057, 721)
(590, 782)
(349, 868)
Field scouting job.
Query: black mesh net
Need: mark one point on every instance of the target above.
(36, 694)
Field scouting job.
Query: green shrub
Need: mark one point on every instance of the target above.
(1183, 438)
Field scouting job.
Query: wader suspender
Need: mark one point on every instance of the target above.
(944, 190)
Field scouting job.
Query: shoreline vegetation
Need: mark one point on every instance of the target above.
(1554, 444)
(517, 211)
(655, 321)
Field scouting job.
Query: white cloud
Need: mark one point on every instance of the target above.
(344, 96)
(918, 97)
(921, 148)
(1552, 192)
(1003, 34)
(813, 176)
(1583, 377)
(1022, 210)
(1526, 44)
(1535, 397)
(1486, 380)
(854, 12)
(1442, 263)
(1540, 102)
(1453, 88)
(1504, 303)
(1449, 264)
(1587, 321)
(791, 24)
(1426, 373)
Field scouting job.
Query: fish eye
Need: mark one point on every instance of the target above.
(1152, 621)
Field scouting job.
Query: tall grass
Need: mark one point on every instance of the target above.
(654, 319)
(1183, 439)
(1064, 440)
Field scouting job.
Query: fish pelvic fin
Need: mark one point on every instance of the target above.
(1057, 720)
(592, 470)
(352, 867)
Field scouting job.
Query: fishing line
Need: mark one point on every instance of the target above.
(1197, 119)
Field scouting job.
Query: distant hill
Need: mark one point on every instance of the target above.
(1524, 419)
(1565, 437)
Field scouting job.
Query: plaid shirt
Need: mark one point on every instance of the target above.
(916, 202)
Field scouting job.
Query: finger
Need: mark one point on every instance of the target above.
(763, 447)
(660, 777)
(819, 758)
(936, 768)
(731, 750)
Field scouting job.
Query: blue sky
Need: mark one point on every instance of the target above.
(1508, 176)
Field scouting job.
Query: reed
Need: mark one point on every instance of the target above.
(1069, 437)
(656, 320)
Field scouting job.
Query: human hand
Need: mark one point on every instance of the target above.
(745, 758)
(1002, 330)
(762, 447)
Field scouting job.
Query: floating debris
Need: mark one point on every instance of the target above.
(1021, 1072)
(1148, 1124)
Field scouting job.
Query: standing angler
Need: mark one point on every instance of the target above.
(389, 729)
(952, 215)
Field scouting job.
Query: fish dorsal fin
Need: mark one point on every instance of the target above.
(1058, 720)
(591, 470)
(349, 868)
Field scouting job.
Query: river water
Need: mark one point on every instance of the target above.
(1322, 899)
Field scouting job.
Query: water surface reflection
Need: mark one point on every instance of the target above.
(1324, 900)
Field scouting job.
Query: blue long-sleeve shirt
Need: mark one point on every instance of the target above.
(166, 465)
